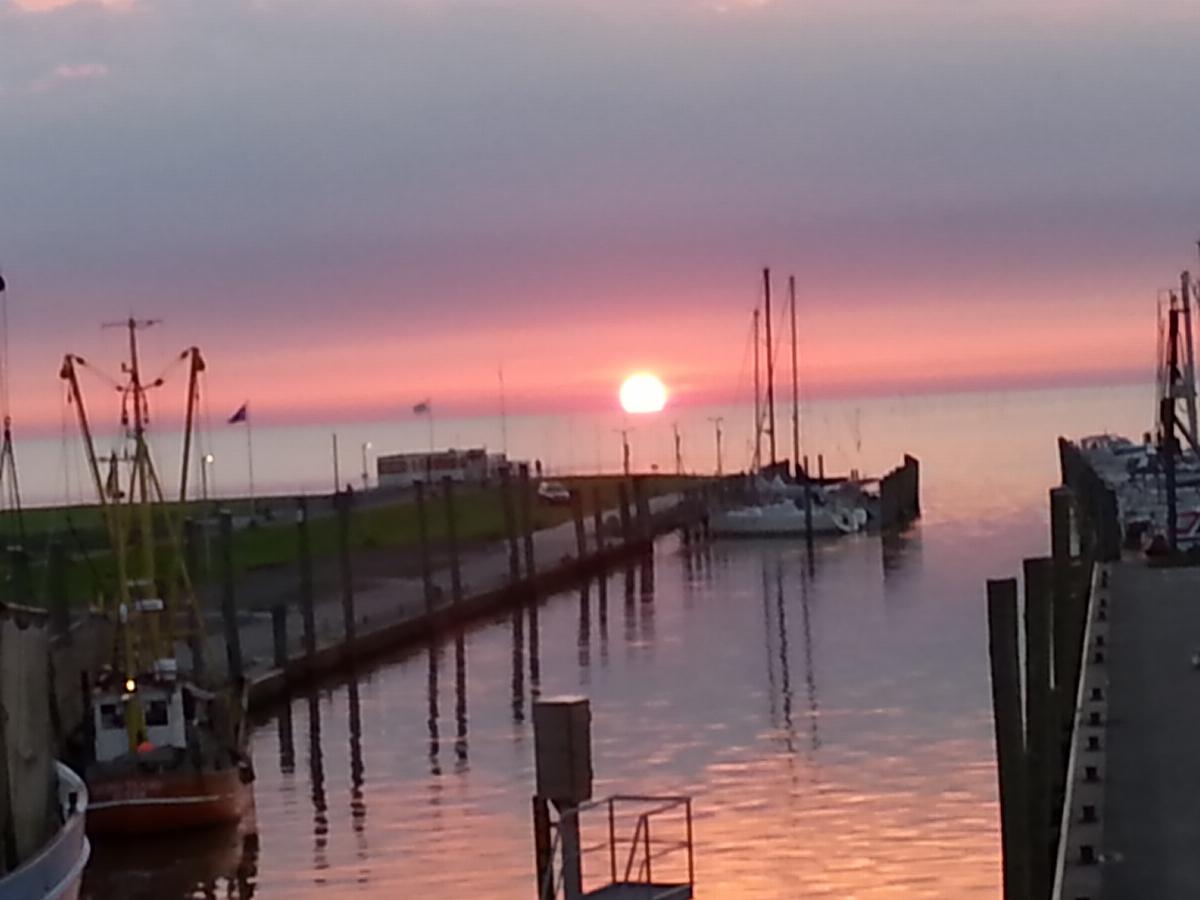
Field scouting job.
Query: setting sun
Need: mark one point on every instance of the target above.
(643, 393)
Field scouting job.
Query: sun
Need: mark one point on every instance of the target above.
(643, 392)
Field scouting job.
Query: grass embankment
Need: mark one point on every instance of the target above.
(375, 528)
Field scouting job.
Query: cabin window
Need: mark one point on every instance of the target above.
(112, 715)
(156, 713)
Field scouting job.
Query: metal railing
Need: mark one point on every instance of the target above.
(643, 850)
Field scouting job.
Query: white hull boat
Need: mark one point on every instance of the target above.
(56, 871)
(785, 519)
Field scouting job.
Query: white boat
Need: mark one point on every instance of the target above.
(56, 871)
(785, 518)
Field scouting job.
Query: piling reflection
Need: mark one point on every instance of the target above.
(460, 702)
(810, 667)
(535, 652)
(646, 596)
(518, 665)
(785, 668)
(287, 741)
(583, 637)
(316, 776)
(358, 803)
(435, 744)
(900, 551)
(630, 620)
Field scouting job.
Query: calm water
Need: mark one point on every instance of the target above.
(832, 721)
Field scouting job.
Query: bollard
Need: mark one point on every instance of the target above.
(423, 535)
(56, 590)
(1006, 706)
(598, 519)
(510, 526)
(343, 500)
(306, 579)
(580, 535)
(527, 526)
(233, 638)
(279, 634)
(456, 588)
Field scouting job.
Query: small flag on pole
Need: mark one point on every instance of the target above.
(241, 415)
(423, 408)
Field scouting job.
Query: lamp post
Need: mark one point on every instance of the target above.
(365, 472)
(625, 450)
(208, 461)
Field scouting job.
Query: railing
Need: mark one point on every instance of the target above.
(643, 850)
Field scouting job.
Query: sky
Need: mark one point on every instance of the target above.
(352, 205)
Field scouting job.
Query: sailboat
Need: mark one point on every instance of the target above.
(164, 753)
(782, 509)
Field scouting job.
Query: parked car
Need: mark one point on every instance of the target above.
(554, 493)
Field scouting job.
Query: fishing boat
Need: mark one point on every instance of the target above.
(55, 872)
(164, 751)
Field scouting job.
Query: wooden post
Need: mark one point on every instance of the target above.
(1006, 706)
(1068, 618)
(306, 579)
(642, 507)
(623, 501)
(510, 526)
(527, 526)
(423, 535)
(821, 467)
(1039, 714)
(279, 634)
(233, 637)
(543, 847)
(456, 588)
(598, 519)
(344, 500)
(56, 590)
(580, 534)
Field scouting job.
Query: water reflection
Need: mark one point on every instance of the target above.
(810, 666)
(316, 778)
(287, 743)
(583, 639)
(535, 652)
(460, 702)
(518, 666)
(434, 656)
(358, 803)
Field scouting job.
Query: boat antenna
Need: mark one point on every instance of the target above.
(795, 379)
(757, 397)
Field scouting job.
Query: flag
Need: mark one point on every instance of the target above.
(422, 409)
(241, 415)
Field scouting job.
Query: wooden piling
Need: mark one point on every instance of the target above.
(307, 610)
(598, 519)
(1039, 716)
(510, 526)
(423, 537)
(580, 534)
(641, 504)
(344, 500)
(56, 590)
(1010, 753)
(527, 525)
(233, 637)
(623, 501)
(1068, 622)
(456, 587)
(279, 634)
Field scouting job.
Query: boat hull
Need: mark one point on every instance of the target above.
(167, 801)
(56, 872)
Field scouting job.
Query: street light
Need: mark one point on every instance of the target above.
(365, 476)
(208, 461)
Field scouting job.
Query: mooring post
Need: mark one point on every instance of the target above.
(423, 536)
(580, 534)
(1068, 617)
(623, 501)
(562, 736)
(510, 525)
(233, 637)
(306, 579)
(1010, 753)
(279, 635)
(56, 590)
(642, 506)
(527, 526)
(598, 519)
(1039, 716)
(456, 588)
(821, 468)
(344, 500)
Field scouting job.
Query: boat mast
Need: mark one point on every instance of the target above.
(770, 361)
(757, 400)
(795, 379)
(194, 370)
(1189, 355)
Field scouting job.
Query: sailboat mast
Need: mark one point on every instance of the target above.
(795, 379)
(770, 361)
(757, 399)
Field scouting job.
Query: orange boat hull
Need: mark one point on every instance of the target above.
(169, 801)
